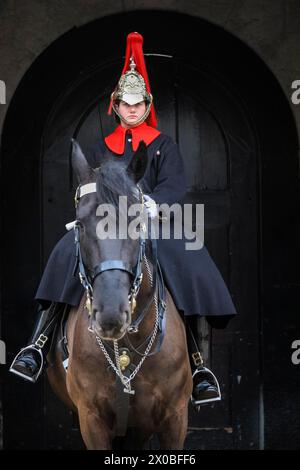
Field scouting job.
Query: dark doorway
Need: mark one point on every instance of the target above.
(208, 102)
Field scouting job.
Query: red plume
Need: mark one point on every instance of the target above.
(134, 48)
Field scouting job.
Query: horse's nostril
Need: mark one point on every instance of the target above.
(94, 314)
(127, 316)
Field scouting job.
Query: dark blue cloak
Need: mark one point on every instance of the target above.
(191, 276)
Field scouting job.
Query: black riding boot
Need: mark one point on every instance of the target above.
(206, 388)
(29, 362)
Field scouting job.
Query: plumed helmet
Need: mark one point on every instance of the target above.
(133, 86)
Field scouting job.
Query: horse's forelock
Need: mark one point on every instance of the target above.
(112, 181)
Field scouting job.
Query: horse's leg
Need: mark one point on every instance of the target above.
(94, 430)
(173, 432)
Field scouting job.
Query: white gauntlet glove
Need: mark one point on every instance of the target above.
(151, 207)
(70, 225)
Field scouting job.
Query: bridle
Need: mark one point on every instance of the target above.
(157, 295)
(87, 277)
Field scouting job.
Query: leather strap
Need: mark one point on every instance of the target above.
(122, 406)
(110, 265)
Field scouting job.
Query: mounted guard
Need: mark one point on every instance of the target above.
(191, 277)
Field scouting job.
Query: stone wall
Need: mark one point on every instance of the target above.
(269, 27)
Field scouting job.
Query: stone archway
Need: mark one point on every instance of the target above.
(210, 85)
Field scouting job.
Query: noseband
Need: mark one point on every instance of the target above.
(87, 277)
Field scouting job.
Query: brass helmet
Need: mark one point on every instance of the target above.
(133, 86)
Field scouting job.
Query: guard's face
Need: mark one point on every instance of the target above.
(131, 113)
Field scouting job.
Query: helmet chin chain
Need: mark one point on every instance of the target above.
(140, 120)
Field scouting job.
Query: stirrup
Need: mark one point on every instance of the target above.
(24, 376)
(206, 373)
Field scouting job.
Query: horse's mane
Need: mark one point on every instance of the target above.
(112, 181)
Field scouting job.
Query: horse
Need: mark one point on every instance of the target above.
(159, 385)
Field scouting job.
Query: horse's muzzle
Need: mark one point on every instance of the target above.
(109, 326)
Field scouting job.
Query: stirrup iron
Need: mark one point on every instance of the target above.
(24, 376)
(206, 373)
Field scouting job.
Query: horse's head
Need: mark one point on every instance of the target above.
(109, 263)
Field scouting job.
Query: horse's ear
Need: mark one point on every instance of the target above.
(138, 164)
(79, 163)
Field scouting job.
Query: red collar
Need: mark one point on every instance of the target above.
(116, 140)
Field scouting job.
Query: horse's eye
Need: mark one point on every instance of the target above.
(80, 224)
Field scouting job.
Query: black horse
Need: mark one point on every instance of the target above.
(120, 323)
